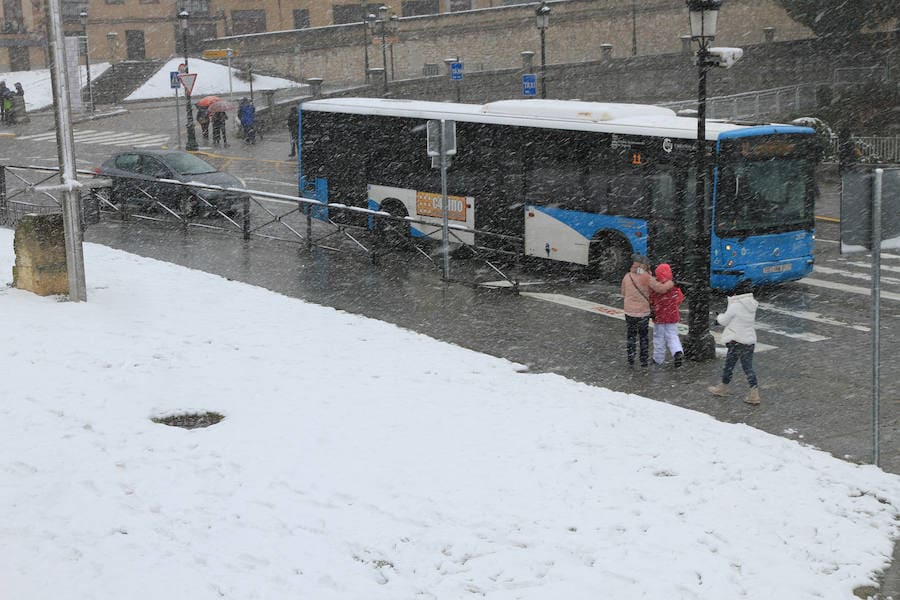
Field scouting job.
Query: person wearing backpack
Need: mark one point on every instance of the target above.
(666, 318)
(740, 339)
(636, 287)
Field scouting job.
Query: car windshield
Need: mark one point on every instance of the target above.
(188, 164)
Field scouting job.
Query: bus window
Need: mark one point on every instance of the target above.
(626, 196)
(553, 174)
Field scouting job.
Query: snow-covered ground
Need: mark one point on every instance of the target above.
(212, 78)
(359, 460)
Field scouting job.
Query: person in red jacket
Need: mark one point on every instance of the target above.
(666, 318)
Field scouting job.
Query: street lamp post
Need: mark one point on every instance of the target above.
(83, 17)
(700, 344)
(394, 27)
(382, 20)
(191, 143)
(542, 20)
(634, 27)
(368, 23)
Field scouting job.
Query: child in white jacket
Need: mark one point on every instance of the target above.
(740, 339)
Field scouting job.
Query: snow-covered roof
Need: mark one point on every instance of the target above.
(625, 119)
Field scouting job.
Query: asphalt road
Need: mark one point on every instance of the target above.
(815, 356)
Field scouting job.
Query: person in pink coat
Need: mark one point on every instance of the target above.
(636, 287)
(666, 318)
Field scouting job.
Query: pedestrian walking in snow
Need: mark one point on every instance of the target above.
(203, 120)
(636, 287)
(740, 339)
(247, 116)
(6, 104)
(293, 125)
(218, 125)
(666, 318)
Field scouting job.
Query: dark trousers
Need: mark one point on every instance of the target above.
(219, 131)
(744, 353)
(637, 328)
(295, 141)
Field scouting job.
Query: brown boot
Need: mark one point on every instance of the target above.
(719, 390)
(753, 396)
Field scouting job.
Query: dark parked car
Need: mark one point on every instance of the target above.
(136, 177)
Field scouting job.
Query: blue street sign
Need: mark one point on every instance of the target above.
(529, 84)
(174, 82)
(456, 71)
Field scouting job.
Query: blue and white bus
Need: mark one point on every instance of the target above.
(578, 182)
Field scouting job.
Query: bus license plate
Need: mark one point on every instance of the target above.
(777, 268)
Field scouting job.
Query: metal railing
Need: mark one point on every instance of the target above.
(756, 106)
(873, 149)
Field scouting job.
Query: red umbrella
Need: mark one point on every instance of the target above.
(221, 106)
(208, 100)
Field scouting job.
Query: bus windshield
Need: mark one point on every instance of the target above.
(765, 186)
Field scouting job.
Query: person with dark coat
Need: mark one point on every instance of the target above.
(636, 287)
(666, 318)
(218, 125)
(203, 118)
(247, 115)
(293, 125)
(740, 339)
(6, 104)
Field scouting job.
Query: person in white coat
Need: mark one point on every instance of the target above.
(740, 339)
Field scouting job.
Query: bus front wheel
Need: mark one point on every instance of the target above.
(610, 259)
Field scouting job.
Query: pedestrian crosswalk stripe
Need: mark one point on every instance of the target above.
(853, 274)
(850, 289)
(869, 266)
(811, 316)
(105, 138)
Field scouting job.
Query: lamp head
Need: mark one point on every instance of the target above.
(82, 17)
(183, 16)
(542, 16)
(704, 17)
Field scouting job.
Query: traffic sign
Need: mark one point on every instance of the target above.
(456, 71)
(174, 82)
(529, 84)
(219, 53)
(188, 80)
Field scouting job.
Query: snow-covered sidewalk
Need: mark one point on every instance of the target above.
(359, 460)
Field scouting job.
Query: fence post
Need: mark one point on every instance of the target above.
(4, 209)
(245, 223)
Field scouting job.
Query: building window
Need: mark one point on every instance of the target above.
(115, 1)
(352, 13)
(149, 1)
(301, 18)
(416, 8)
(195, 7)
(458, 5)
(248, 21)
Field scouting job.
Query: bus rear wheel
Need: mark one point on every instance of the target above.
(610, 259)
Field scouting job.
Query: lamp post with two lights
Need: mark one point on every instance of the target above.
(700, 344)
(191, 143)
(83, 19)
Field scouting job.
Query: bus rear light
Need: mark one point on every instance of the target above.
(730, 263)
(637, 234)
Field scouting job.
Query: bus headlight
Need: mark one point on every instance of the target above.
(730, 263)
(727, 247)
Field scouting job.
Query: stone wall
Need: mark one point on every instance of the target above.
(493, 39)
